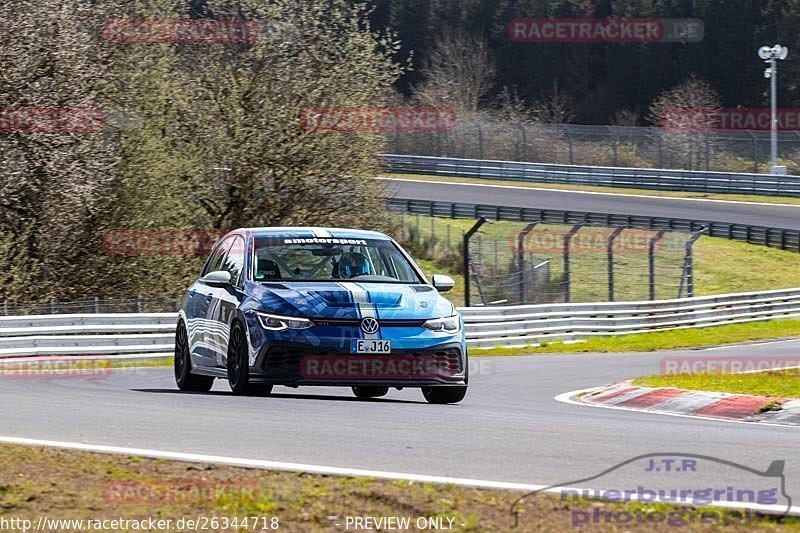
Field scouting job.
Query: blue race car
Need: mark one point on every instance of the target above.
(312, 306)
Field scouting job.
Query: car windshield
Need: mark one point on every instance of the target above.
(330, 259)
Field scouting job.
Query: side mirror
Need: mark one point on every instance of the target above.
(218, 278)
(442, 283)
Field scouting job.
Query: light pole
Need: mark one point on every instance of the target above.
(771, 57)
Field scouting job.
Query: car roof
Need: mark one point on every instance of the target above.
(308, 232)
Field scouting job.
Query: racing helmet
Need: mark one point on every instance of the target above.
(353, 264)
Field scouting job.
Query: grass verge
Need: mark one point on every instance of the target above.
(661, 340)
(776, 383)
(61, 484)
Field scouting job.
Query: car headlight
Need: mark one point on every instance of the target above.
(280, 323)
(450, 324)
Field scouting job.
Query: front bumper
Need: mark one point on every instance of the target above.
(287, 363)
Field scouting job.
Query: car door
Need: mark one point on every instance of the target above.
(224, 301)
(199, 300)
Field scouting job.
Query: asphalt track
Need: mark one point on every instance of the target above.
(508, 429)
(756, 214)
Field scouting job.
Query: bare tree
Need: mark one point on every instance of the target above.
(217, 140)
(692, 95)
(555, 108)
(510, 107)
(458, 73)
(625, 118)
(682, 142)
(52, 176)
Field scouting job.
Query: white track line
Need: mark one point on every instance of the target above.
(568, 397)
(596, 193)
(746, 344)
(270, 465)
(337, 471)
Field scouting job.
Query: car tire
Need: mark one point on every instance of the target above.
(238, 365)
(441, 395)
(184, 378)
(370, 392)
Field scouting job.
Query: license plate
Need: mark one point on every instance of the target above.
(371, 346)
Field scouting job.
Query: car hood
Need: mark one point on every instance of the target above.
(389, 301)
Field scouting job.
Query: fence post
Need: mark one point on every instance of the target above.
(5, 307)
(97, 305)
(480, 140)
(52, 306)
(755, 151)
(138, 303)
(521, 259)
(614, 152)
(688, 263)
(524, 142)
(567, 273)
(651, 257)
(571, 151)
(660, 150)
(610, 255)
(465, 246)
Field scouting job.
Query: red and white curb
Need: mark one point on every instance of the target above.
(701, 404)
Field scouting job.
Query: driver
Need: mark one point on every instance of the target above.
(353, 264)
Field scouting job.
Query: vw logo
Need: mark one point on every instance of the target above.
(369, 325)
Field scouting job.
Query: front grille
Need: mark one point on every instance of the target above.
(283, 359)
(354, 322)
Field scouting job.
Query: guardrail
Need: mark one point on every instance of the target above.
(153, 334)
(532, 324)
(87, 334)
(635, 178)
(785, 239)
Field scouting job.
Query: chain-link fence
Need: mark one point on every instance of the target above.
(167, 304)
(517, 263)
(622, 146)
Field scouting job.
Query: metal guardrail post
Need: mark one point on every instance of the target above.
(567, 274)
(470, 232)
(610, 255)
(651, 258)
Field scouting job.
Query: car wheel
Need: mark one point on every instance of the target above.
(239, 366)
(183, 365)
(444, 394)
(370, 392)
